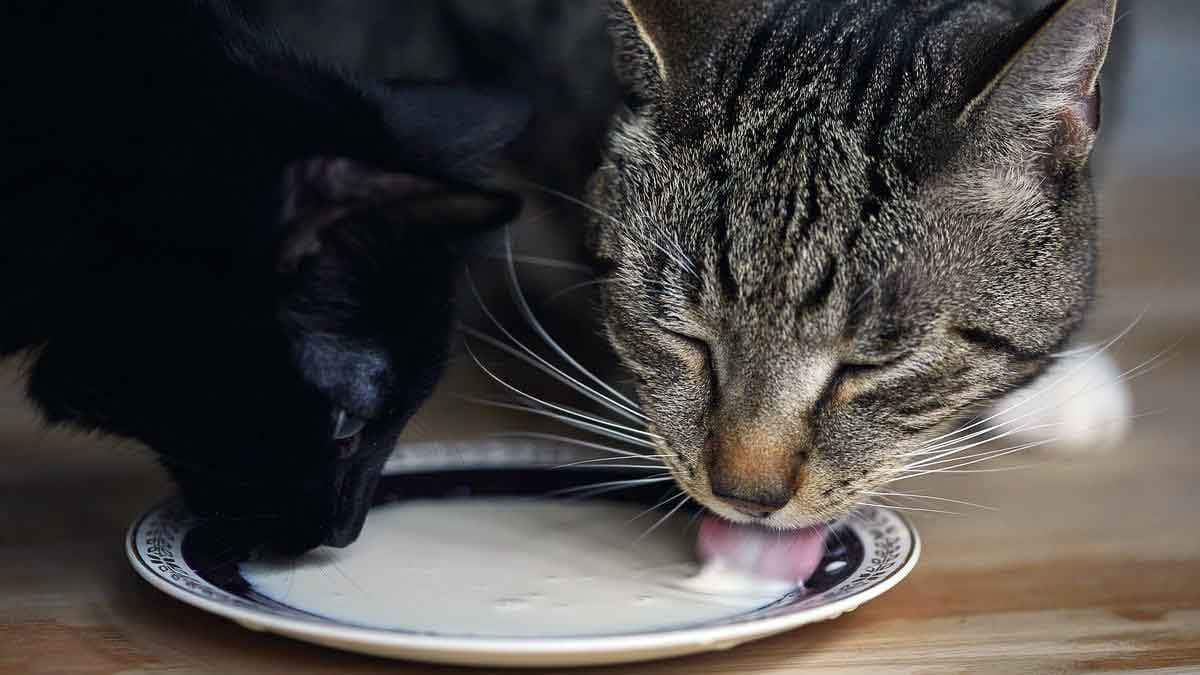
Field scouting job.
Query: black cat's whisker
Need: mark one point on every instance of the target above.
(665, 518)
(569, 421)
(560, 408)
(627, 411)
(622, 454)
(530, 318)
(1062, 379)
(905, 495)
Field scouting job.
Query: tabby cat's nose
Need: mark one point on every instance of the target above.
(756, 508)
(755, 478)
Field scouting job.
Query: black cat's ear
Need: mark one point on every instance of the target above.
(323, 193)
(1046, 97)
(667, 42)
(456, 129)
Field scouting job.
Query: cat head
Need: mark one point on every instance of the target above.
(833, 229)
(272, 343)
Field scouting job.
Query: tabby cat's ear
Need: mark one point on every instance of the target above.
(1047, 95)
(667, 42)
(320, 194)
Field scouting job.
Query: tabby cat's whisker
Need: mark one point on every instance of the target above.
(569, 421)
(922, 466)
(663, 503)
(606, 460)
(930, 498)
(1064, 378)
(948, 455)
(541, 364)
(1143, 368)
(622, 454)
(664, 519)
(541, 261)
(560, 408)
(531, 318)
(908, 508)
(614, 484)
(624, 410)
(577, 287)
(679, 260)
(1003, 469)
(989, 456)
(641, 467)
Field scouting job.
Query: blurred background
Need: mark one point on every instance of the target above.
(65, 499)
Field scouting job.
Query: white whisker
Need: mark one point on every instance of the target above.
(989, 456)
(531, 318)
(1139, 370)
(935, 499)
(664, 502)
(614, 484)
(623, 454)
(908, 508)
(596, 467)
(1064, 378)
(541, 364)
(560, 408)
(541, 261)
(577, 287)
(628, 411)
(664, 519)
(570, 421)
(606, 460)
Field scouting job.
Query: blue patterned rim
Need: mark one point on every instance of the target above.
(189, 559)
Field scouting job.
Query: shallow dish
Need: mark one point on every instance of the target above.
(185, 558)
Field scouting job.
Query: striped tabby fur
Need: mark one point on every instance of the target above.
(835, 228)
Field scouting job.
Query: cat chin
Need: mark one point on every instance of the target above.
(1080, 402)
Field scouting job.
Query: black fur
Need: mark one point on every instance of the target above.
(220, 249)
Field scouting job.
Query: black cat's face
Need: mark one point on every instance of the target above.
(360, 338)
(274, 368)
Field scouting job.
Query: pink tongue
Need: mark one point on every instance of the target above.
(784, 556)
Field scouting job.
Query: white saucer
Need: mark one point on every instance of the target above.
(169, 548)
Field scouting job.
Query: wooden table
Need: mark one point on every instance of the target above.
(1092, 563)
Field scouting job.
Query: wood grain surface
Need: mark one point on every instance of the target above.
(1091, 563)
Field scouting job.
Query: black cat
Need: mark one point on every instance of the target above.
(233, 254)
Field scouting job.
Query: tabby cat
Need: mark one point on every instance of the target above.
(833, 229)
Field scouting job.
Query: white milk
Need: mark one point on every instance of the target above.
(508, 568)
